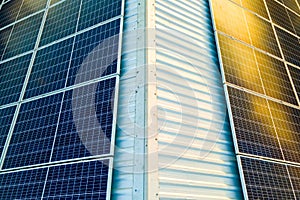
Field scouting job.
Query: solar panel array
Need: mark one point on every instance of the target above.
(259, 51)
(59, 78)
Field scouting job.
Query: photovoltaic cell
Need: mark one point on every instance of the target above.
(12, 76)
(275, 78)
(50, 69)
(61, 21)
(239, 64)
(6, 117)
(9, 12)
(33, 136)
(86, 121)
(254, 130)
(23, 37)
(96, 11)
(266, 180)
(290, 46)
(95, 53)
(286, 120)
(295, 74)
(23, 184)
(87, 180)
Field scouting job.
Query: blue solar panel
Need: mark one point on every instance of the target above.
(12, 76)
(33, 136)
(86, 121)
(95, 53)
(58, 132)
(50, 69)
(96, 11)
(23, 184)
(6, 117)
(23, 36)
(87, 180)
(61, 21)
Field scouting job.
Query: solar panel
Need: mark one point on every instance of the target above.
(276, 81)
(95, 11)
(290, 46)
(279, 15)
(86, 122)
(86, 180)
(23, 36)
(95, 53)
(262, 35)
(12, 75)
(61, 21)
(49, 71)
(256, 6)
(286, 120)
(235, 58)
(30, 7)
(59, 78)
(262, 87)
(253, 125)
(34, 132)
(266, 180)
(27, 184)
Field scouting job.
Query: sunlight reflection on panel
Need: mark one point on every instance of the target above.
(253, 125)
(262, 34)
(239, 64)
(275, 78)
(256, 6)
(230, 19)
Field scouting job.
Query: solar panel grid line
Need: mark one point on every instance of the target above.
(229, 68)
(282, 4)
(56, 163)
(69, 88)
(21, 96)
(242, 177)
